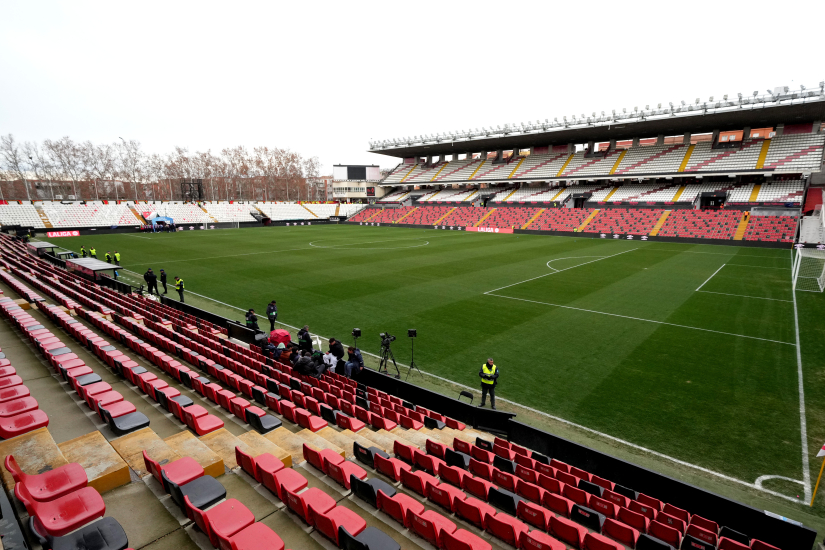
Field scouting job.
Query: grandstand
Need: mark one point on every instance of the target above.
(195, 435)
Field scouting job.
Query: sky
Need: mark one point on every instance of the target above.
(323, 78)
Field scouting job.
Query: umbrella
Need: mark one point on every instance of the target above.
(279, 336)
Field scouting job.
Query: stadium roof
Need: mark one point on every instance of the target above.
(777, 107)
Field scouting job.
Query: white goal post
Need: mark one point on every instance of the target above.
(809, 270)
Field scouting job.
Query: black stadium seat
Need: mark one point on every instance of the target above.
(366, 455)
(368, 489)
(104, 534)
(203, 492)
(370, 538)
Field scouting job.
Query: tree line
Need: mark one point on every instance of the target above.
(66, 169)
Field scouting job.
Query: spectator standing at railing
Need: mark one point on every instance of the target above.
(162, 281)
(252, 320)
(151, 281)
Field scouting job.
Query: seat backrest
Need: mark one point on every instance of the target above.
(422, 526)
(153, 466)
(201, 519)
(15, 470)
(313, 457)
(245, 460)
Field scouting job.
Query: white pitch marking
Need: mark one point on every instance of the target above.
(565, 269)
(744, 296)
(137, 236)
(759, 266)
(340, 247)
(803, 423)
(640, 319)
(564, 421)
(569, 258)
(711, 277)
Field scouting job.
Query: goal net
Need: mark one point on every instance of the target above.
(809, 270)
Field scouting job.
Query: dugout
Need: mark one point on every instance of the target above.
(40, 248)
(90, 268)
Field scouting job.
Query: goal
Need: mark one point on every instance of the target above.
(809, 270)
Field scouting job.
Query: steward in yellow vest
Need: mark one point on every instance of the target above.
(489, 380)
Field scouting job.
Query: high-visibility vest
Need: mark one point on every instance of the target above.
(108, 256)
(489, 372)
(82, 251)
(117, 256)
(93, 252)
(179, 284)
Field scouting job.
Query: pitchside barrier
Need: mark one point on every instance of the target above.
(760, 524)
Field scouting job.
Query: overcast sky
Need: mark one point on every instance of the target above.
(323, 78)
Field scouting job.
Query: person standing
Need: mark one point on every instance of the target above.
(92, 252)
(162, 281)
(151, 281)
(337, 349)
(179, 287)
(252, 320)
(272, 314)
(355, 363)
(83, 252)
(117, 258)
(489, 380)
(109, 256)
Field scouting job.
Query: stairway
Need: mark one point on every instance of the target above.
(43, 217)
(137, 214)
(314, 215)
(212, 218)
(743, 226)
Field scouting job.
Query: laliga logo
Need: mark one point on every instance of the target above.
(488, 229)
(820, 247)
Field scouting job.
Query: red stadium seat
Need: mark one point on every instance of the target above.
(64, 514)
(391, 467)
(451, 474)
(283, 480)
(256, 465)
(312, 499)
(506, 528)
(329, 522)
(398, 505)
(417, 481)
(13, 426)
(51, 484)
(477, 487)
(445, 495)
(535, 515)
(633, 519)
(567, 531)
(666, 533)
(474, 511)
(558, 504)
(179, 472)
(536, 540)
(256, 537)
(594, 541)
(342, 471)
(710, 537)
(463, 540)
(222, 521)
(429, 525)
(620, 532)
(317, 458)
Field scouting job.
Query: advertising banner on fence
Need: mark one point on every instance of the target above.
(52, 234)
(623, 236)
(491, 229)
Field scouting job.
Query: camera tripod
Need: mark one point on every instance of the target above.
(386, 355)
(412, 360)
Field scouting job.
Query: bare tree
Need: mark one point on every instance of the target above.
(66, 155)
(131, 163)
(100, 162)
(15, 160)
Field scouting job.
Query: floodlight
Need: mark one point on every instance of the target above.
(647, 107)
(660, 106)
(602, 113)
(555, 119)
(697, 101)
(725, 97)
(785, 88)
(801, 87)
(614, 111)
(594, 114)
(740, 95)
(683, 102)
(624, 110)
(636, 109)
(565, 119)
(755, 93)
(711, 99)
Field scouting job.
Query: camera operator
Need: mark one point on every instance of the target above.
(305, 339)
(355, 363)
(489, 380)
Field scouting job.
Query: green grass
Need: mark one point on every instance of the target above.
(624, 345)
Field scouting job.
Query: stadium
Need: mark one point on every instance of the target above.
(648, 282)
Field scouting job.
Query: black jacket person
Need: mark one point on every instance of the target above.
(489, 379)
(151, 281)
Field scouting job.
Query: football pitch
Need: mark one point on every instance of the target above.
(687, 350)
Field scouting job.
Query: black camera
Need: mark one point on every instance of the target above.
(386, 339)
(356, 332)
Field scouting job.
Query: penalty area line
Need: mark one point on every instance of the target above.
(640, 319)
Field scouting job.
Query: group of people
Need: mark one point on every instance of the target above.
(158, 228)
(92, 253)
(152, 283)
(311, 362)
(271, 314)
